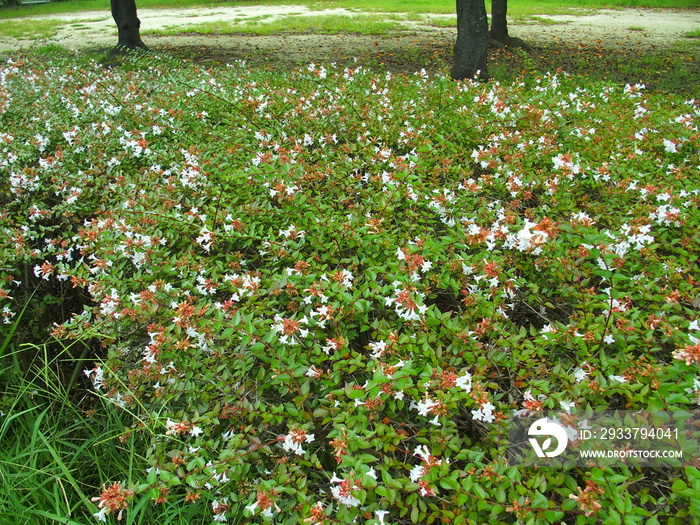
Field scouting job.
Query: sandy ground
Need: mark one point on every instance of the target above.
(628, 28)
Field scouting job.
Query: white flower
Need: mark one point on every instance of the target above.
(530, 239)
(670, 146)
(205, 238)
(346, 499)
(695, 389)
(219, 508)
(422, 452)
(566, 406)
(378, 349)
(424, 407)
(97, 378)
(583, 218)
(580, 374)
(293, 441)
(292, 232)
(343, 491)
(465, 382)
(290, 329)
(571, 432)
(485, 413)
(417, 473)
(347, 278)
(314, 372)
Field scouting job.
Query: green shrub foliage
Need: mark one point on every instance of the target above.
(319, 294)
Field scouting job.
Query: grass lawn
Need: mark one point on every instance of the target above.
(516, 8)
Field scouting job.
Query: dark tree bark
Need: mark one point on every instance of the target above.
(472, 43)
(499, 25)
(128, 24)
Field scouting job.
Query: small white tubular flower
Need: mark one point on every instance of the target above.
(343, 491)
(293, 441)
(424, 407)
(484, 413)
(465, 382)
(580, 374)
(527, 238)
(417, 473)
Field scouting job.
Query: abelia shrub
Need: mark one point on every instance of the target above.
(319, 295)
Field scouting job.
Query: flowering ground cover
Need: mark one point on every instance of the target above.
(316, 296)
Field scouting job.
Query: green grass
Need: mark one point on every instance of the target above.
(39, 440)
(542, 20)
(516, 8)
(29, 28)
(362, 24)
(695, 33)
(443, 21)
(54, 453)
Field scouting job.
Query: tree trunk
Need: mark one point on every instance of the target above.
(499, 26)
(472, 41)
(128, 24)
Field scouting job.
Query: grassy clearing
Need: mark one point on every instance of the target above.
(29, 29)
(361, 24)
(545, 21)
(516, 8)
(447, 21)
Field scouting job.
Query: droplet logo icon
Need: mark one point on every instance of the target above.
(550, 429)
